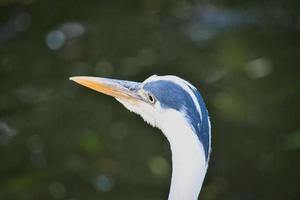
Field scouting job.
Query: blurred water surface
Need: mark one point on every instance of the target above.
(62, 141)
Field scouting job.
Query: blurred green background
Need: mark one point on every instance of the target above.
(62, 141)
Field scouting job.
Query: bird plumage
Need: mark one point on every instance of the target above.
(177, 108)
(176, 93)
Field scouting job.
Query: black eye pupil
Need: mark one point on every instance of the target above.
(151, 99)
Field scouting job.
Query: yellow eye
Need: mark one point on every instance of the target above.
(151, 98)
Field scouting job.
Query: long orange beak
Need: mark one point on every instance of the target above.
(120, 89)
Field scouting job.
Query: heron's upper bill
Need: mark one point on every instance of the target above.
(126, 90)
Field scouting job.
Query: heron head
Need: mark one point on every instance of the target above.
(150, 98)
(157, 100)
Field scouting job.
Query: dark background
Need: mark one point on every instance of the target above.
(62, 141)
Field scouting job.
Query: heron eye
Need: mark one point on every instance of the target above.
(151, 98)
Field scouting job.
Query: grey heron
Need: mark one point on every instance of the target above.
(175, 107)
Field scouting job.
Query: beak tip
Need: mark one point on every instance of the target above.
(74, 78)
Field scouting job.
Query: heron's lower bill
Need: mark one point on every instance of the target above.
(117, 88)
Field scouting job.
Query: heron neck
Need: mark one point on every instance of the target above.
(188, 159)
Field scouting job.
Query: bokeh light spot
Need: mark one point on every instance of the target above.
(104, 183)
(159, 166)
(6, 133)
(258, 68)
(55, 40)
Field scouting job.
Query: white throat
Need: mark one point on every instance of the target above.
(188, 158)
